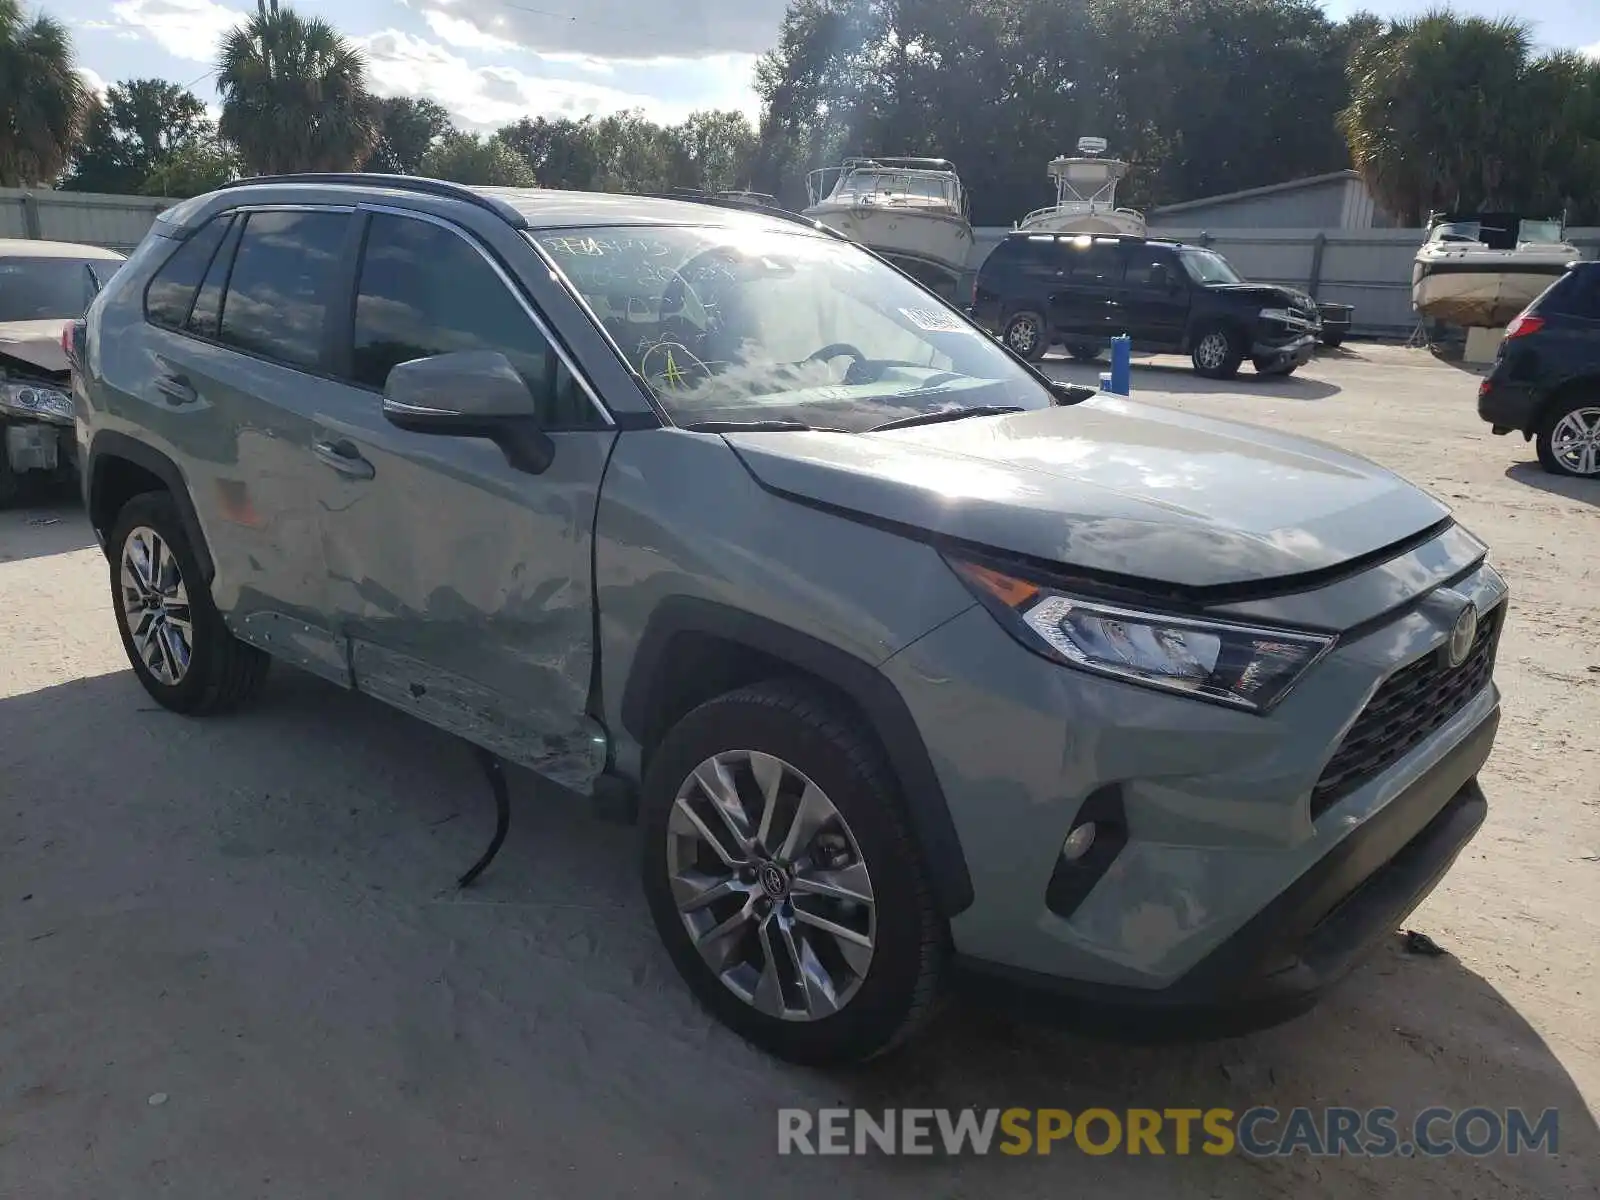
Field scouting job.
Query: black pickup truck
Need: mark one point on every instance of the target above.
(1037, 290)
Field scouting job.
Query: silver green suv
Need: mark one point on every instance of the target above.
(913, 666)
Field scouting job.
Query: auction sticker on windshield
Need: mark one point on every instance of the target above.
(931, 320)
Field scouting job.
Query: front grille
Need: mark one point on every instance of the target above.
(1409, 706)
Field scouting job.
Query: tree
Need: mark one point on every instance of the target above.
(408, 127)
(484, 162)
(294, 95)
(140, 123)
(1450, 112)
(198, 166)
(713, 150)
(563, 152)
(43, 100)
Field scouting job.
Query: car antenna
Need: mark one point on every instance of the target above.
(495, 772)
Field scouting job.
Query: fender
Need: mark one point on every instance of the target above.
(109, 446)
(858, 679)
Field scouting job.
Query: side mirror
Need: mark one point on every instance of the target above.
(469, 393)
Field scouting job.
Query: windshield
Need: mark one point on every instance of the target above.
(887, 187)
(43, 289)
(740, 325)
(1540, 231)
(1207, 266)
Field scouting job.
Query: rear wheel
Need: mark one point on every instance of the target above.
(1084, 353)
(173, 634)
(1569, 440)
(1025, 335)
(1216, 353)
(783, 880)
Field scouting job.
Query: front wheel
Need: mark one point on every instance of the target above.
(1569, 440)
(783, 880)
(1216, 353)
(1025, 335)
(173, 634)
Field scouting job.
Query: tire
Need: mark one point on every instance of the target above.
(1568, 440)
(1084, 354)
(1026, 334)
(222, 673)
(1333, 340)
(1216, 353)
(893, 992)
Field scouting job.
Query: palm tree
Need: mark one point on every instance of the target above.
(43, 99)
(1434, 119)
(294, 95)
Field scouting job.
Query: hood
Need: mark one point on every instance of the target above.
(37, 343)
(1110, 486)
(1266, 293)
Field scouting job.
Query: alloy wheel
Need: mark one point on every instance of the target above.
(155, 605)
(1024, 334)
(1212, 351)
(770, 885)
(1575, 441)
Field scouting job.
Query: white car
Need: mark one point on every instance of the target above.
(44, 287)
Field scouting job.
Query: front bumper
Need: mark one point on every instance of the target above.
(1221, 816)
(1281, 962)
(1295, 352)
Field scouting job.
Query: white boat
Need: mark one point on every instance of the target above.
(1482, 269)
(913, 211)
(1086, 196)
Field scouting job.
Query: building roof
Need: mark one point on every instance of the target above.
(1271, 189)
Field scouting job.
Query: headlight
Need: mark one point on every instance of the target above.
(31, 400)
(1227, 663)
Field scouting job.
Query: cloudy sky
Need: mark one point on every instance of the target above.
(492, 61)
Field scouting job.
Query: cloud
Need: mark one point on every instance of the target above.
(619, 29)
(97, 85)
(190, 29)
(486, 97)
(1592, 51)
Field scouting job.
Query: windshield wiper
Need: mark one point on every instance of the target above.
(948, 414)
(749, 427)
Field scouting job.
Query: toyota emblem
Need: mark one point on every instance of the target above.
(1463, 635)
(773, 881)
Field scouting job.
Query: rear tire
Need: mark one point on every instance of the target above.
(1216, 353)
(1568, 440)
(173, 634)
(1084, 354)
(1026, 334)
(851, 1001)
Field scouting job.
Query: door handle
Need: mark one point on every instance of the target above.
(1113, 304)
(344, 458)
(177, 389)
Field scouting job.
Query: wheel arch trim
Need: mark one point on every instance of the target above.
(109, 445)
(858, 679)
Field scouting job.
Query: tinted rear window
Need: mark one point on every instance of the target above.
(1013, 253)
(1575, 294)
(171, 293)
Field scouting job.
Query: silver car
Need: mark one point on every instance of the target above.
(914, 667)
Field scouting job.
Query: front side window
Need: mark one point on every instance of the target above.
(1207, 266)
(1148, 272)
(751, 324)
(424, 290)
(283, 274)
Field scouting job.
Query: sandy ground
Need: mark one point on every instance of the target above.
(254, 918)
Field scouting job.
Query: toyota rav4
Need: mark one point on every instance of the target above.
(912, 666)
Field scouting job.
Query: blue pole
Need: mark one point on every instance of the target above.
(1122, 364)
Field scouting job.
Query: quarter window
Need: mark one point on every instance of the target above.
(424, 290)
(171, 292)
(283, 274)
(207, 312)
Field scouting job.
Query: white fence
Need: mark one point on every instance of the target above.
(1368, 268)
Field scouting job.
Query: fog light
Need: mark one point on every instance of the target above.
(1078, 842)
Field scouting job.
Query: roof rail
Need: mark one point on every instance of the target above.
(405, 183)
(688, 196)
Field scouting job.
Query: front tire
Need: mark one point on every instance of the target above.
(783, 879)
(1569, 439)
(173, 634)
(1025, 334)
(1216, 353)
